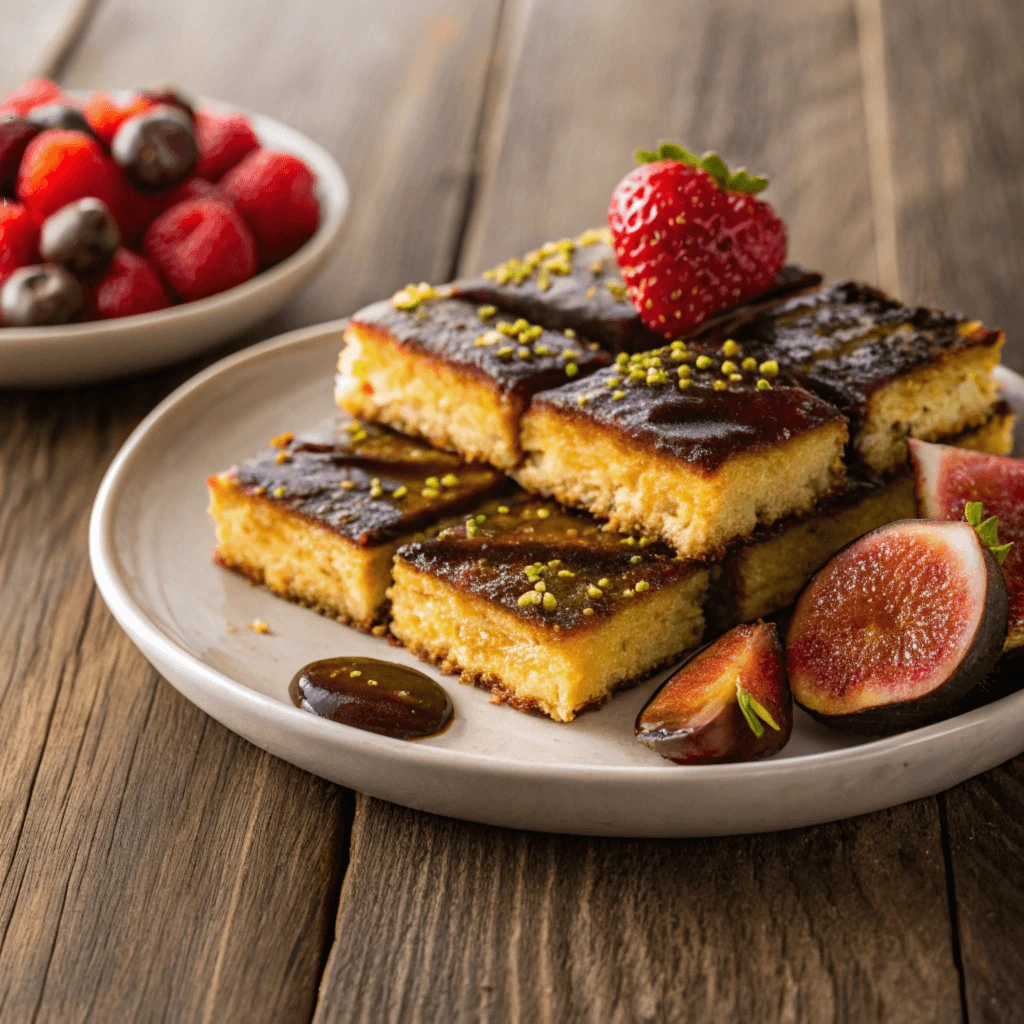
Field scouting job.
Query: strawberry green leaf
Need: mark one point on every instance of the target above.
(646, 156)
(715, 166)
(741, 181)
(670, 151)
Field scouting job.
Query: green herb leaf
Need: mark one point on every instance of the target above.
(670, 151)
(715, 166)
(646, 156)
(987, 529)
(746, 706)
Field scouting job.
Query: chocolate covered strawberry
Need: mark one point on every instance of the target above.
(691, 239)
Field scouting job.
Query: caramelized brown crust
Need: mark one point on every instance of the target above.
(892, 369)
(516, 356)
(575, 284)
(641, 401)
(368, 483)
(512, 545)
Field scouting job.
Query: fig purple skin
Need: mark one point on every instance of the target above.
(897, 628)
(730, 702)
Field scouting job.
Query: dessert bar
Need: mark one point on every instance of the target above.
(766, 572)
(457, 374)
(576, 284)
(318, 520)
(894, 370)
(542, 607)
(695, 450)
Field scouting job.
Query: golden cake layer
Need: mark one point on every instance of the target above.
(318, 522)
(542, 607)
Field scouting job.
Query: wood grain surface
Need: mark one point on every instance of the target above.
(155, 867)
(960, 211)
(152, 865)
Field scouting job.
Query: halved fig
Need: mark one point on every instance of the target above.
(730, 702)
(946, 479)
(897, 628)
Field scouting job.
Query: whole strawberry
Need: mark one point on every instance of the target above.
(691, 239)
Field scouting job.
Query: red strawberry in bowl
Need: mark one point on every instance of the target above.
(691, 239)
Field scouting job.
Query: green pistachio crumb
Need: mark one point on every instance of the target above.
(588, 611)
(503, 510)
(543, 513)
(748, 364)
(400, 492)
(595, 592)
(604, 582)
(769, 368)
(642, 586)
(704, 362)
(636, 559)
(617, 396)
(763, 385)
(571, 369)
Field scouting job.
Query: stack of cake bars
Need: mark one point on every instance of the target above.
(531, 489)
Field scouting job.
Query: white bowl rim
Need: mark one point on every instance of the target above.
(332, 191)
(148, 636)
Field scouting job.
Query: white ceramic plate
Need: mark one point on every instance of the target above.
(150, 542)
(82, 353)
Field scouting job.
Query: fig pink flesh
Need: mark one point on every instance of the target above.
(882, 622)
(947, 478)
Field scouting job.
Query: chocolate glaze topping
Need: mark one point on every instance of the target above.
(378, 696)
(576, 284)
(846, 341)
(552, 566)
(519, 356)
(369, 484)
(702, 409)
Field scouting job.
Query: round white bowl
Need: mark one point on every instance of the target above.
(83, 353)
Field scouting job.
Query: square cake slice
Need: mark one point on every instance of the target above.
(894, 370)
(318, 521)
(766, 572)
(544, 608)
(694, 450)
(575, 284)
(454, 373)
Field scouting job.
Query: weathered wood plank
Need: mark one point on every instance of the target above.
(152, 865)
(443, 920)
(842, 922)
(37, 37)
(955, 82)
(960, 217)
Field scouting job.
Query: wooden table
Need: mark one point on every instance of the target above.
(153, 866)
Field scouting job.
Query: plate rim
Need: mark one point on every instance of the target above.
(147, 635)
(335, 196)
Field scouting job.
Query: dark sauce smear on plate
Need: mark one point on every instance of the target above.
(377, 696)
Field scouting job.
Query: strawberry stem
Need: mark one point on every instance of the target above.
(711, 163)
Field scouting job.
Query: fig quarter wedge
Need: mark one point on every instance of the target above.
(730, 702)
(897, 628)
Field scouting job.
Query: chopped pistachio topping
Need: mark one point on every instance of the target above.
(543, 513)
(748, 364)
(636, 559)
(588, 611)
(505, 352)
(594, 592)
(550, 602)
(730, 348)
(555, 563)
(525, 600)
(347, 485)
(719, 385)
(704, 362)
(567, 574)
(282, 457)
(728, 367)
(472, 529)
(642, 586)
(627, 593)
(618, 395)
(540, 586)
(582, 400)
(769, 368)
(430, 492)
(617, 289)
(412, 295)
(569, 333)
(604, 582)
(487, 339)
(503, 510)
(449, 480)
(684, 383)
(280, 491)
(571, 369)
(486, 312)
(432, 481)
(763, 385)
(400, 492)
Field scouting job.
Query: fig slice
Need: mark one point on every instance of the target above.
(730, 702)
(897, 628)
(946, 479)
